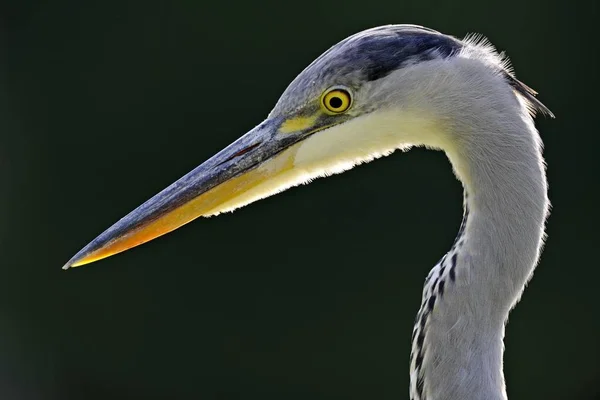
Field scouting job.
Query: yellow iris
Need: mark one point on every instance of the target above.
(336, 100)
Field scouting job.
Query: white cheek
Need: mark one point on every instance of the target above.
(365, 138)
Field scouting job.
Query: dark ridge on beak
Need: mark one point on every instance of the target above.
(241, 152)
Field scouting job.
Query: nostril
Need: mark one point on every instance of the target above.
(241, 152)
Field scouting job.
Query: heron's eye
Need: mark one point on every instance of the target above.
(336, 100)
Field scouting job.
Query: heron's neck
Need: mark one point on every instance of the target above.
(457, 345)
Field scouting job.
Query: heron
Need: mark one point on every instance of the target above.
(391, 88)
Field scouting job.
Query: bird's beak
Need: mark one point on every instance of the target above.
(252, 167)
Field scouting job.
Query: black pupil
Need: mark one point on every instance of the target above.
(335, 102)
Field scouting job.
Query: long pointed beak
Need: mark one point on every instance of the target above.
(222, 183)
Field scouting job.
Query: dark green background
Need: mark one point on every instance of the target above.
(307, 295)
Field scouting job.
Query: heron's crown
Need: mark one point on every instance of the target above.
(377, 52)
(373, 54)
(368, 56)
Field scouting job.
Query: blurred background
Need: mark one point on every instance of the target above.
(104, 103)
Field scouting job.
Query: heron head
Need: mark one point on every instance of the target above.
(334, 115)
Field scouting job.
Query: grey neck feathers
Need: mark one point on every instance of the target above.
(458, 336)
